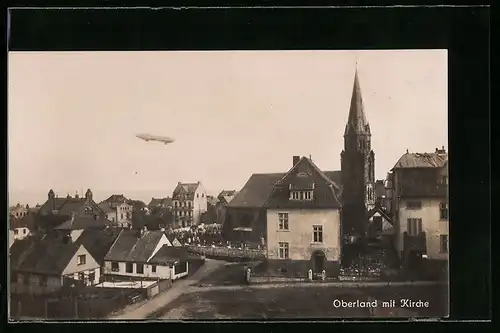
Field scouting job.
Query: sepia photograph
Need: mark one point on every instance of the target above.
(228, 185)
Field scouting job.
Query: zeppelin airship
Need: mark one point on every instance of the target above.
(149, 137)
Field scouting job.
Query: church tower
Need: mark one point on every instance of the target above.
(358, 167)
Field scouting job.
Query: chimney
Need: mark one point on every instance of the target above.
(296, 160)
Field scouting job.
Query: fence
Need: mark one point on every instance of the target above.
(227, 253)
(89, 303)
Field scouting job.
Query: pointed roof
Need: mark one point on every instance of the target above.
(357, 120)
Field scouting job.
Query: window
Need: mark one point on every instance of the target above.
(197, 195)
(43, 281)
(153, 268)
(414, 205)
(139, 268)
(175, 204)
(25, 231)
(318, 234)
(81, 276)
(115, 267)
(189, 204)
(443, 243)
(92, 277)
(283, 250)
(283, 221)
(129, 268)
(301, 195)
(128, 215)
(203, 195)
(16, 232)
(443, 211)
(80, 260)
(121, 216)
(414, 226)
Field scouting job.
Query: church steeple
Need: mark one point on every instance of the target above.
(356, 122)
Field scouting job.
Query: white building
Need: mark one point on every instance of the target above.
(420, 208)
(189, 203)
(144, 254)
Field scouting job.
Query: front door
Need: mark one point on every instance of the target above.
(318, 261)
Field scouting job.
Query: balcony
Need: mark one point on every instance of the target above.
(414, 243)
(424, 191)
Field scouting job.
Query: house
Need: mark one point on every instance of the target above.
(42, 266)
(189, 203)
(118, 210)
(303, 222)
(22, 226)
(172, 259)
(223, 199)
(57, 210)
(420, 209)
(130, 254)
(98, 242)
(75, 226)
(246, 214)
(19, 210)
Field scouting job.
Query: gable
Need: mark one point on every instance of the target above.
(163, 241)
(73, 267)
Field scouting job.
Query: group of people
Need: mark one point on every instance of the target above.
(208, 235)
(199, 235)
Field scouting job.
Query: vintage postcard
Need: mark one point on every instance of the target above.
(228, 185)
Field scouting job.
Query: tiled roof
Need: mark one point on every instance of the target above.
(43, 256)
(83, 222)
(169, 255)
(98, 242)
(259, 187)
(116, 198)
(302, 176)
(47, 208)
(131, 247)
(106, 208)
(155, 202)
(136, 203)
(186, 188)
(256, 190)
(227, 193)
(421, 160)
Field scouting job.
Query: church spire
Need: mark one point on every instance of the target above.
(357, 120)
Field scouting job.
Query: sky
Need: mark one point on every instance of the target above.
(73, 116)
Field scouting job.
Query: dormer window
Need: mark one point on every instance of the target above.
(301, 195)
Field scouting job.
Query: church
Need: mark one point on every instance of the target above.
(302, 217)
